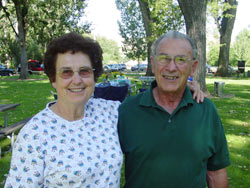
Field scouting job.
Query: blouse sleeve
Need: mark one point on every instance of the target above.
(27, 162)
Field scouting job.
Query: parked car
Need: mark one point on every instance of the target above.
(34, 67)
(111, 68)
(230, 70)
(139, 67)
(134, 68)
(6, 72)
(122, 66)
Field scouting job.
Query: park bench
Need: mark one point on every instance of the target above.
(10, 130)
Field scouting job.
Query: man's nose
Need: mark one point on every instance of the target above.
(172, 65)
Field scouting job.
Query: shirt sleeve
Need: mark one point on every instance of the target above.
(27, 164)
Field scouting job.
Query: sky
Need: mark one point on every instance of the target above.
(104, 15)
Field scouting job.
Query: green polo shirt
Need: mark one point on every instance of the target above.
(170, 150)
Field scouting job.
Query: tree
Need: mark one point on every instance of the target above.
(241, 46)
(9, 45)
(148, 26)
(110, 49)
(157, 17)
(21, 15)
(21, 10)
(49, 19)
(41, 21)
(224, 13)
(132, 30)
(194, 12)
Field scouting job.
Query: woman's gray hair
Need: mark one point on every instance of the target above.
(175, 35)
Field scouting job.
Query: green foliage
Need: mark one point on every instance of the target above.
(232, 58)
(164, 15)
(8, 42)
(48, 19)
(44, 21)
(132, 30)
(242, 45)
(219, 9)
(213, 55)
(35, 51)
(111, 53)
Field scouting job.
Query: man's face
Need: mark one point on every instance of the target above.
(172, 65)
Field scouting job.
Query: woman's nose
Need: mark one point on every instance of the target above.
(76, 78)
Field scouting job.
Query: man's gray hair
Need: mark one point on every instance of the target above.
(175, 35)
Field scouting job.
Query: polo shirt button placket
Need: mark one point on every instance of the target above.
(169, 120)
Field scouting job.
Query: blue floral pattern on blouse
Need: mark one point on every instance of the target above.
(52, 152)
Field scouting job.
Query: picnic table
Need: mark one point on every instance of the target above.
(6, 130)
(146, 82)
(147, 79)
(5, 108)
(115, 90)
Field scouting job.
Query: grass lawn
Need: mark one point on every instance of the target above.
(33, 94)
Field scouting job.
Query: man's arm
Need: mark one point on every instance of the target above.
(217, 179)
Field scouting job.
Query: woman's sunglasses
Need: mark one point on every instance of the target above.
(84, 72)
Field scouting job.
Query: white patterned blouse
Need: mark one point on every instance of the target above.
(53, 152)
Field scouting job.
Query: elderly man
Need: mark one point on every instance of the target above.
(169, 140)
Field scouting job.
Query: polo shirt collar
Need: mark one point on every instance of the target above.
(148, 100)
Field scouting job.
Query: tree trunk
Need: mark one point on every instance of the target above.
(194, 12)
(147, 25)
(21, 12)
(226, 29)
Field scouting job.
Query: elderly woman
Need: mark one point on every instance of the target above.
(73, 142)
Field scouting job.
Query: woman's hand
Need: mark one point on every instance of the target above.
(197, 93)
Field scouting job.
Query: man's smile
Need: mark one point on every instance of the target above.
(170, 77)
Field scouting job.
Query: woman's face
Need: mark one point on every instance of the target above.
(74, 81)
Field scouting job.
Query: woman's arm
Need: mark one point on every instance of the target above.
(26, 169)
(197, 93)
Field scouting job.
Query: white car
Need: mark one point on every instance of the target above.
(122, 67)
(111, 68)
(139, 67)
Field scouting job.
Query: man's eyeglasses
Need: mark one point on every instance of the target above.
(166, 60)
(84, 72)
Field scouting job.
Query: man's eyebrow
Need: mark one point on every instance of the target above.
(171, 56)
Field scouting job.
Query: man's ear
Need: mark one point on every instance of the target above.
(194, 67)
(152, 64)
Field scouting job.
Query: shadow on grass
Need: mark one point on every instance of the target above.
(239, 170)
